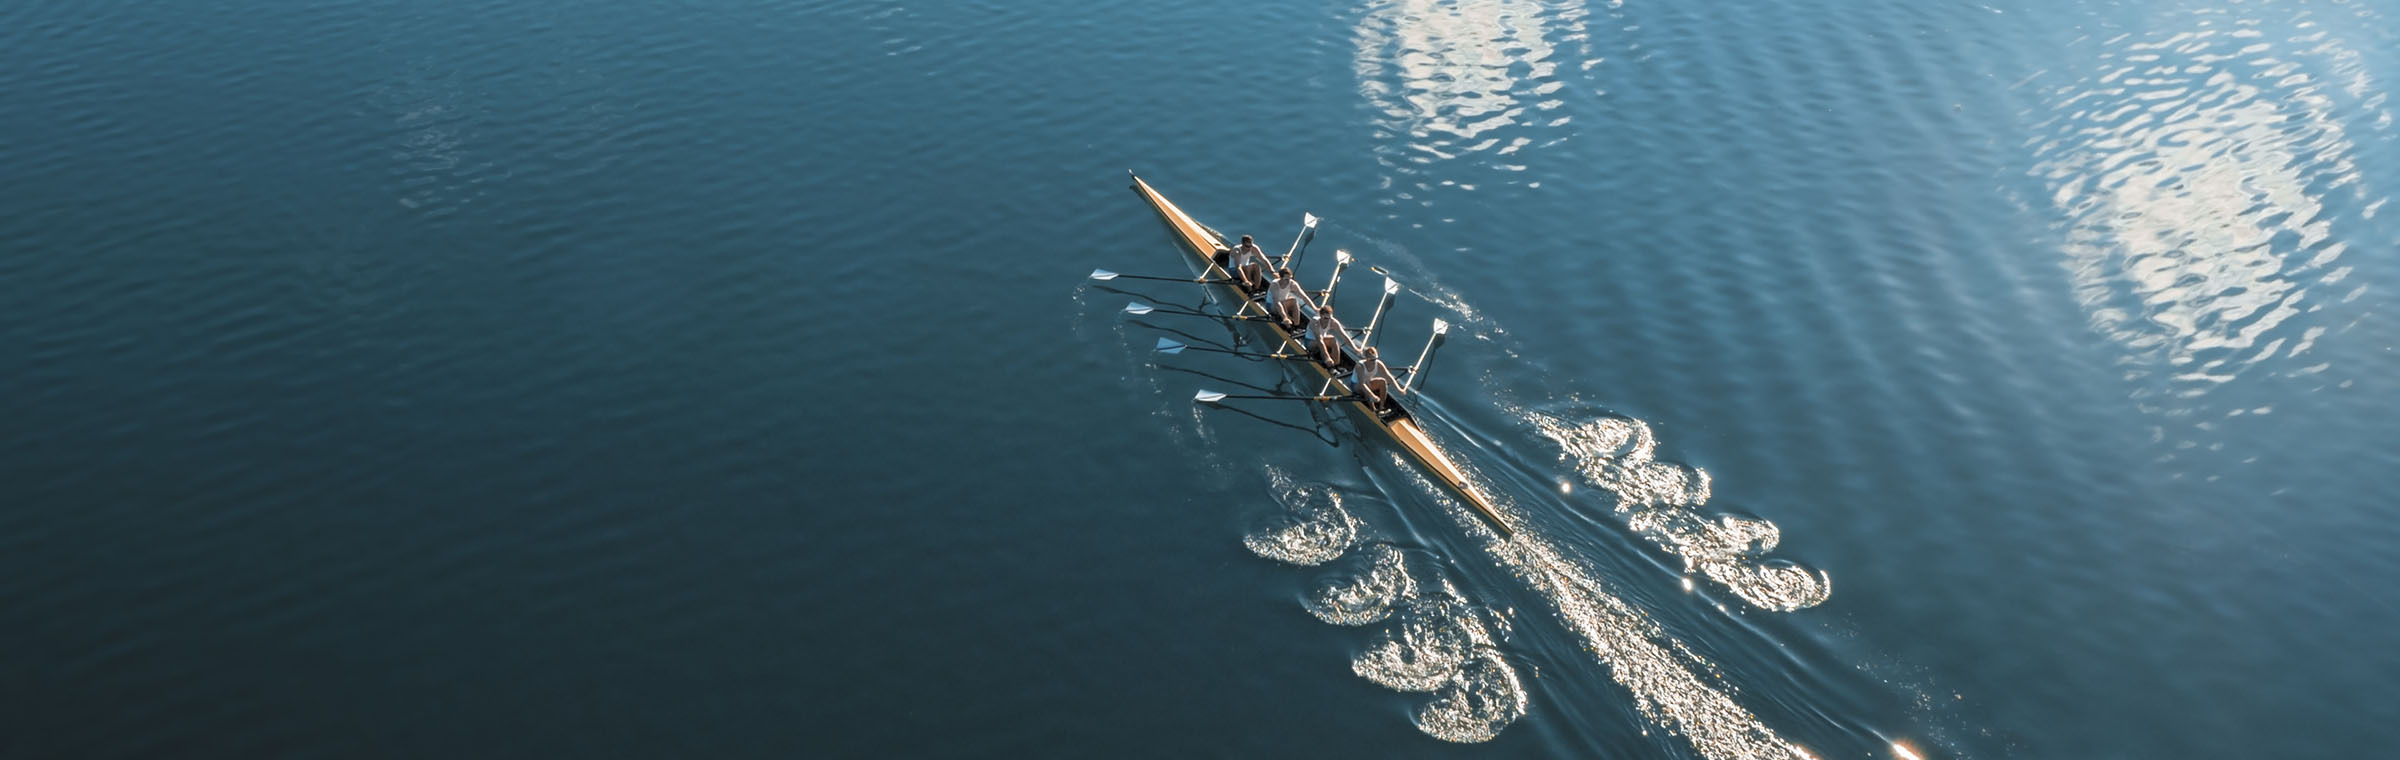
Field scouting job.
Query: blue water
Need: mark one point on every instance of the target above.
(1868, 379)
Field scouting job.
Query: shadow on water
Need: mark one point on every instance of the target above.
(1193, 339)
(1320, 433)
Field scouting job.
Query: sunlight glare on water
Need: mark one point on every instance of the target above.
(1665, 678)
(1452, 80)
(2194, 163)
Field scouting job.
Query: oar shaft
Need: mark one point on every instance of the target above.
(1183, 313)
(1279, 398)
(1390, 288)
(1238, 353)
(1198, 280)
(1440, 329)
(1308, 231)
(1341, 262)
(1172, 347)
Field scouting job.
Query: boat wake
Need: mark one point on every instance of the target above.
(1661, 502)
(1672, 686)
(1436, 640)
(1447, 646)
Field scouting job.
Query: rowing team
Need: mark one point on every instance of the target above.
(1325, 336)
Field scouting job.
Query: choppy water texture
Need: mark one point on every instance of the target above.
(1878, 379)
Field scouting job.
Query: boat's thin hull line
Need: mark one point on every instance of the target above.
(1404, 430)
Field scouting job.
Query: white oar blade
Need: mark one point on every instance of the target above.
(1103, 274)
(1440, 327)
(1169, 347)
(1342, 257)
(1208, 397)
(1138, 308)
(1391, 287)
(1308, 220)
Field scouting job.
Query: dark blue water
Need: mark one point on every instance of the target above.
(1873, 379)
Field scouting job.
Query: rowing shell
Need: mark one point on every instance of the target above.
(1203, 245)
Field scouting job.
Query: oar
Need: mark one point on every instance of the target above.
(1170, 346)
(1391, 288)
(1104, 275)
(1138, 308)
(1341, 261)
(1308, 232)
(1211, 397)
(1440, 328)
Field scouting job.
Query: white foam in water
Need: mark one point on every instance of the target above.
(1425, 647)
(1661, 501)
(1440, 644)
(1367, 596)
(1313, 529)
(1482, 697)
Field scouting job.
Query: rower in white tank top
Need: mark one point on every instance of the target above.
(1325, 335)
(1248, 264)
(1375, 381)
(1284, 297)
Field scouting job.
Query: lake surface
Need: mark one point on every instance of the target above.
(1874, 379)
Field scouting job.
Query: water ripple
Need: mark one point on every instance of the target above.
(2200, 169)
(1449, 81)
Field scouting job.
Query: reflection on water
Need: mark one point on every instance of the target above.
(2201, 169)
(435, 121)
(1449, 79)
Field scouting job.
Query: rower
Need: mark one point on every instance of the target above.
(1247, 263)
(1325, 334)
(1375, 381)
(1284, 297)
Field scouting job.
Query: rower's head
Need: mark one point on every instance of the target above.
(1368, 352)
(1284, 273)
(1245, 240)
(1325, 310)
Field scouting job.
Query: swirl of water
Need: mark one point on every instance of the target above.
(1312, 529)
(1367, 596)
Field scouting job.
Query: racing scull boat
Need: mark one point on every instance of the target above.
(1203, 246)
